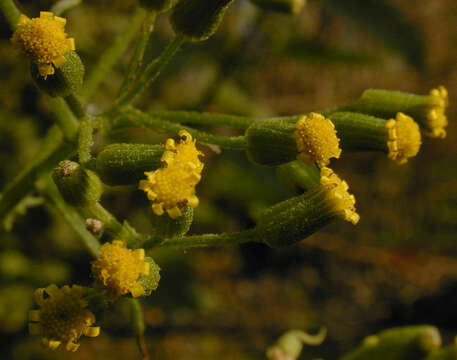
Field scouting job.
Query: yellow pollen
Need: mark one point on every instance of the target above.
(404, 138)
(173, 186)
(316, 139)
(62, 318)
(342, 201)
(118, 270)
(436, 117)
(44, 40)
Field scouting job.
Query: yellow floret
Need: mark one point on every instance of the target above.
(436, 117)
(342, 201)
(173, 186)
(118, 270)
(183, 152)
(170, 189)
(404, 138)
(316, 139)
(62, 318)
(44, 40)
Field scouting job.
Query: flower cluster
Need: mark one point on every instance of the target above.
(44, 40)
(118, 270)
(63, 317)
(342, 201)
(436, 117)
(316, 139)
(404, 138)
(173, 186)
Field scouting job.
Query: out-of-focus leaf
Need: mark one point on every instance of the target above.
(310, 50)
(21, 209)
(386, 23)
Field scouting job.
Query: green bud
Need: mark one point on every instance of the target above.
(403, 343)
(124, 164)
(78, 186)
(157, 5)
(292, 220)
(285, 6)
(151, 281)
(166, 227)
(270, 142)
(67, 79)
(198, 20)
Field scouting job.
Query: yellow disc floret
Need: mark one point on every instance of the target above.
(173, 186)
(436, 117)
(44, 40)
(342, 202)
(63, 317)
(316, 139)
(404, 138)
(183, 152)
(118, 270)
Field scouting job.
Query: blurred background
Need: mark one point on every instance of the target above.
(398, 266)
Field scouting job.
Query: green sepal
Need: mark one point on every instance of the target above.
(284, 6)
(157, 5)
(166, 227)
(292, 220)
(151, 281)
(270, 142)
(125, 164)
(198, 20)
(402, 343)
(67, 79)
(78, 186)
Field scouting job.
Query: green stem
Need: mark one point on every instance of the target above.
(151, 72)
(11, 12)
(76, 106)
(137, 59)
(112, 226)
(73, 219)
(199, 118)
(85, 141)
(111, 55)
(206, 240)
(135, 118)
(137, 319)
(64, 5)
(53, 150)
(64, 118)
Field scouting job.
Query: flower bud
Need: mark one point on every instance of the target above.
(157, 5)
(66, 79)
(292, 220)
(78, 186)
(198, 20)
(124, 164)
(310, 138)
(285, 6)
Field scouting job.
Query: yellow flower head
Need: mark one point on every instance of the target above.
(316, 139)
(118, 270)
(173, 186)
(63, 317)
(342, 201)
(436, 117)
(44, 40)
(404, 138)
(183, 152)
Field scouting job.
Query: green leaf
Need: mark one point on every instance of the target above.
(386, 23)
